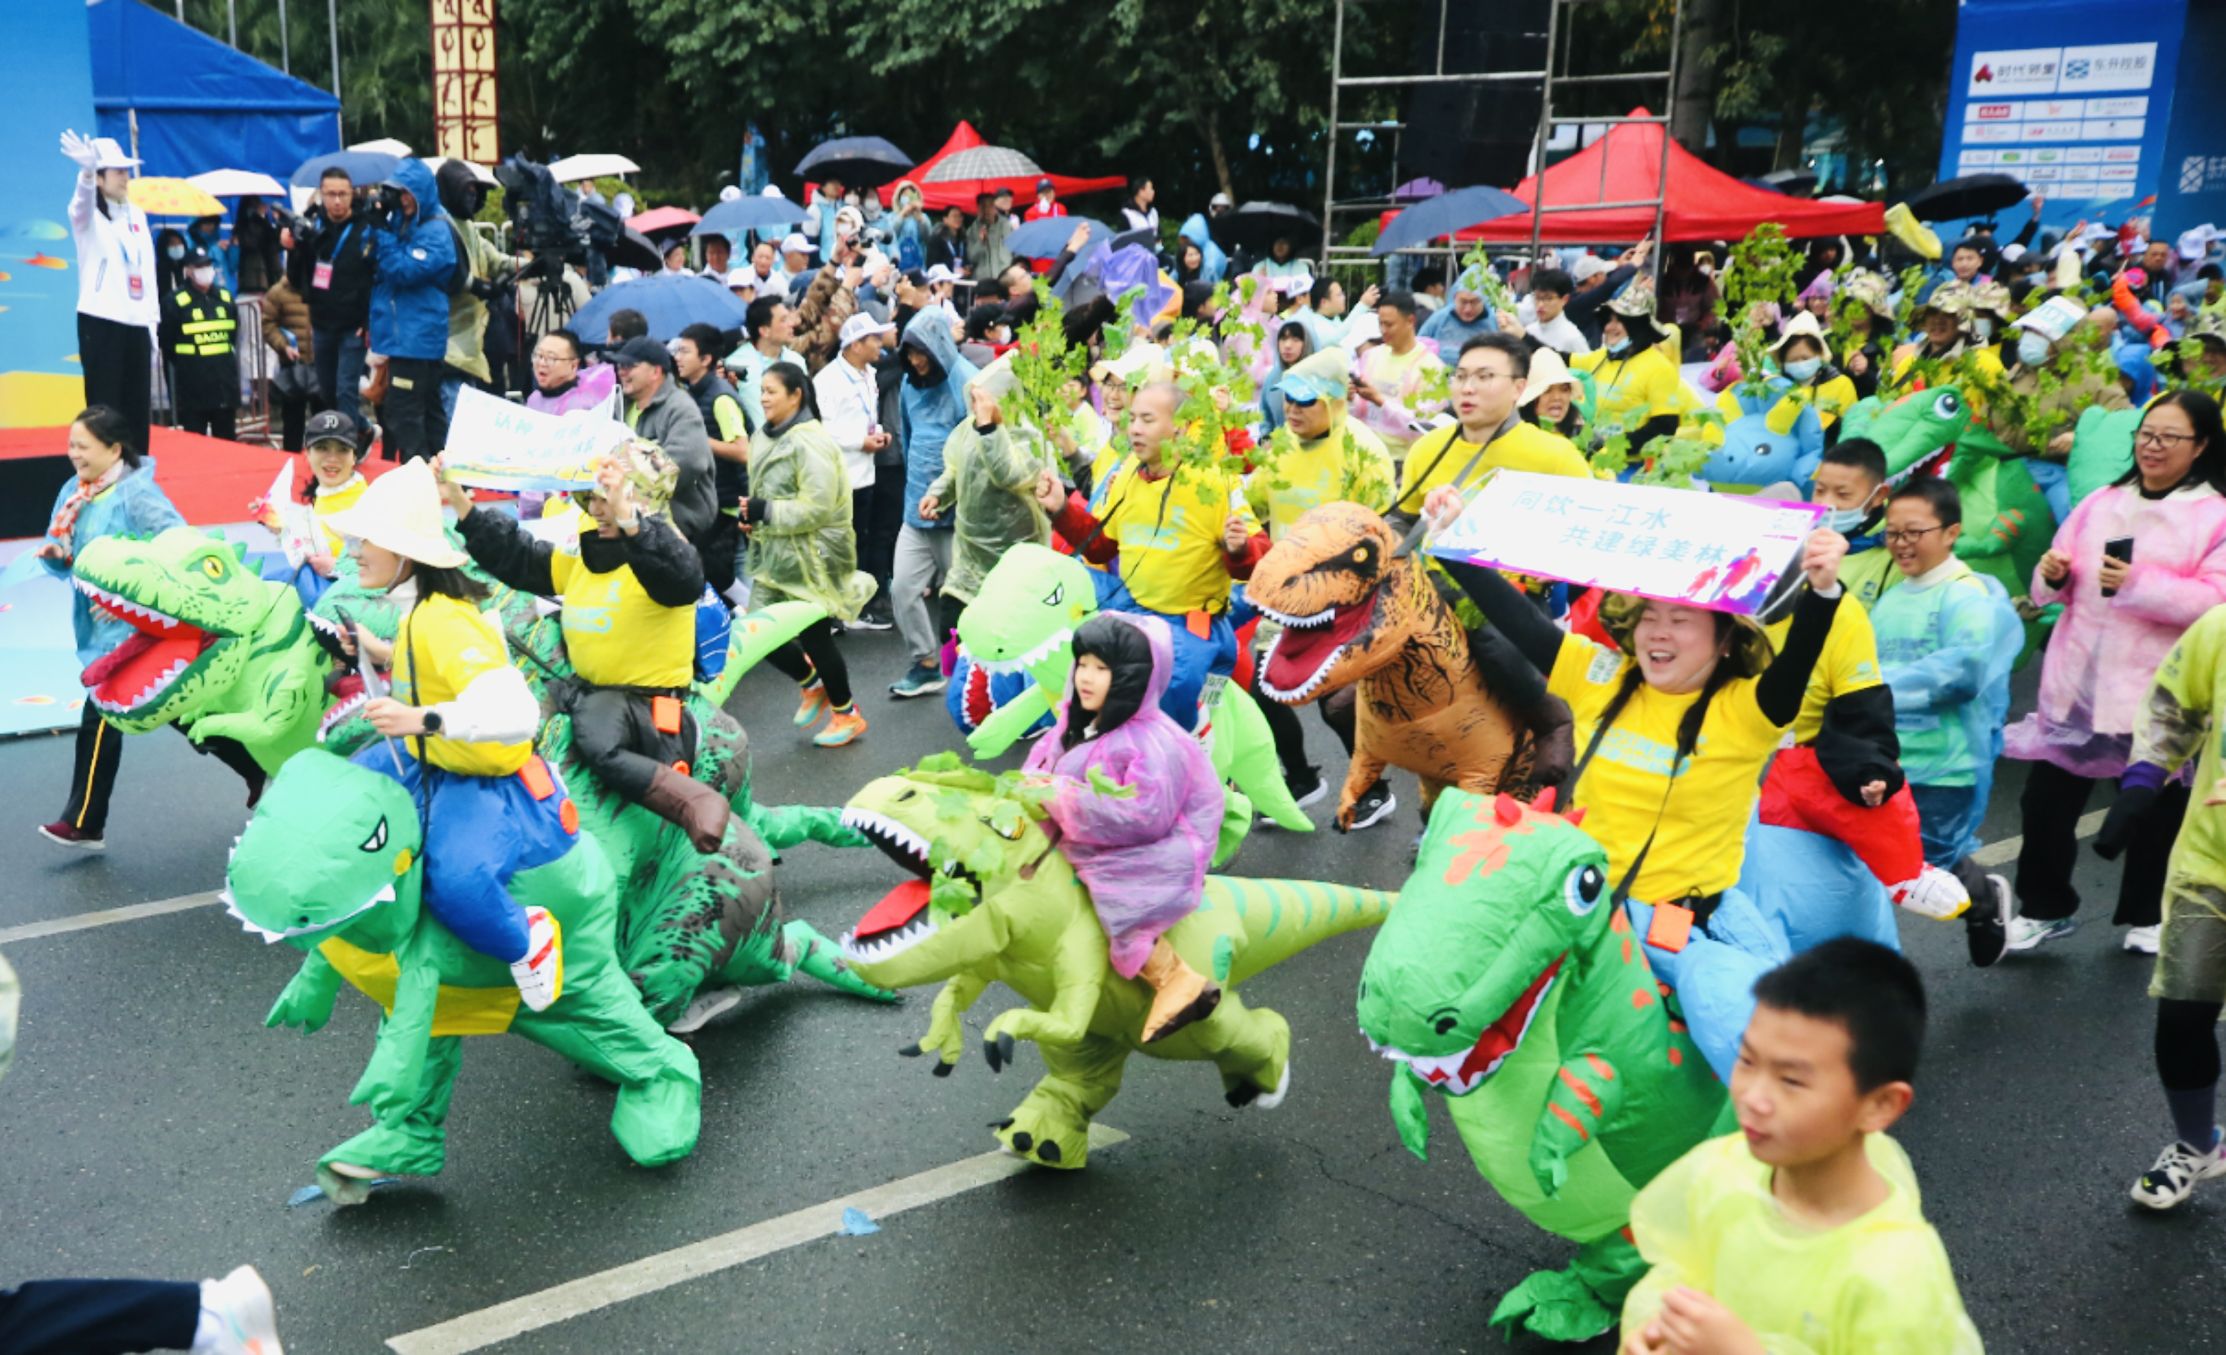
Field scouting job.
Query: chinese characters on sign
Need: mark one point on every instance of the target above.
(464, 83)
(2065, 120)
(498, 445)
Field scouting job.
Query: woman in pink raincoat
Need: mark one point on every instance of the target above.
(2135, 565)
(1142, 854)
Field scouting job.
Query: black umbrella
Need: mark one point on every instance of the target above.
(1971, 195)
(858, 161)
(1794, 183)
(1257, 225)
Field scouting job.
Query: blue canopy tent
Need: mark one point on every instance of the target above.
(188, 103)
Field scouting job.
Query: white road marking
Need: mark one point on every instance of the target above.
(32, 931)
(591, 1293)
(1997, 853)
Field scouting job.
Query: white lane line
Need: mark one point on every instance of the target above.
(31, 931)
(1996, 853)
(590, 1293)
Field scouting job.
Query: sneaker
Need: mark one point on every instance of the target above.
(1934, 893)
(2142, 940)
(706, 1008)
(1375, 804)
(2025, 933)
(844, 727)
(238, 1316)
(812, 705)
(540, 976)
(921, 679)
(1306, 788)
(61, 831)
(2177, 1170)
(1986, 928)
(875, 617)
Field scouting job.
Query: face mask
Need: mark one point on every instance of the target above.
(1846, 520)
(1983, 328)
(1618, 347)
(202, 277)
(1804, 370)
(2032, 350)
(176, 252)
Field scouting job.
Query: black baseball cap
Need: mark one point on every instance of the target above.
(332, 425)
(196, 256)
(641, 348)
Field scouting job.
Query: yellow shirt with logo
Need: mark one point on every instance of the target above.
(441, 645)
(618, 635)
(1326, 470)
(1701, 842)
(1629, 390)
(1442, 454)
(1169, 534)
(1848, 664)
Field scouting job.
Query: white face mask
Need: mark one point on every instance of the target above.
(1803, 370)
(2032, 350)
(202, 277)
(1982, 327)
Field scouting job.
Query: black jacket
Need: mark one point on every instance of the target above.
(200, 347)
(346, 303)
(668, 567)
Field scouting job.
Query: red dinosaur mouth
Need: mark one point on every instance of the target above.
(160, 650)
(1458, 1073)
(1300, 659)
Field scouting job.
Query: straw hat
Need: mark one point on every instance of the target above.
(1802, 326)
(1547, 370)
(401, 512)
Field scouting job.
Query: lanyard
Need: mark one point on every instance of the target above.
(861, 379)
(342, 243)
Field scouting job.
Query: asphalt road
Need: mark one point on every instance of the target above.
(153, 1127)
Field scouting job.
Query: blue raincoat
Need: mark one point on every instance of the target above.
(930, 412)
(136, 505)
(409, 296)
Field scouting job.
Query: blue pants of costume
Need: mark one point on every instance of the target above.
(2053, 480)
(307, 583)
(479, 831)
(1196, 658)
(1948, 820)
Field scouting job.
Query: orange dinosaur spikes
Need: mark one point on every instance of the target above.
(1576, 816)
(1543, 802)
(1508, 810)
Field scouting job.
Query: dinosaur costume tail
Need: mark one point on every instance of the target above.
(1283, 917)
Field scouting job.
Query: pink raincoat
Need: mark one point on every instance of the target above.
(1142, 857)
(2096, 672)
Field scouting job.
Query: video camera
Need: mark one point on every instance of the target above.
(545, 216)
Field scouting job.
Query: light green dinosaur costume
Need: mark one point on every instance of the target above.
(1023, 619)
(1508, 983)
(329, 864)
(1008, 908)
(254, 670)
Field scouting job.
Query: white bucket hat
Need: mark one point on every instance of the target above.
(401, 512)
(1803, 325)
(1547, 370)
(112, 155)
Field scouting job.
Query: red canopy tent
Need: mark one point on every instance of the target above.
(964, 138)
(1703, 202)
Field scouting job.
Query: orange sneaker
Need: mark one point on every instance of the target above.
(812, 706)
(844, 728)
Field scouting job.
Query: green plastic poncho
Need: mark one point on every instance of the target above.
(805, 548)
(991, 484)
(1879, 1285)
(2180, 722)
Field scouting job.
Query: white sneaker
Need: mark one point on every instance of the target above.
(2142, 940)
(2026, 932)
(540, 976)
(237, 1316)
(706, 1008)
(1934, 893)
(2177, 1170)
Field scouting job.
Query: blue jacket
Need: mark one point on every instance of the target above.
(135, 504)
(1216, 264)
(409, 288)
(930, 412)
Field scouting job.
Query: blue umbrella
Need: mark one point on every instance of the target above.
(361, 166)
(859, 161)
(1446, 214)
(670, 302)
(1044, 237)
(755, 213)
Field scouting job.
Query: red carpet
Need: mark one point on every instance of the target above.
(210, 480)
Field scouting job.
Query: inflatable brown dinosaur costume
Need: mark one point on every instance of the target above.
(1455, 707)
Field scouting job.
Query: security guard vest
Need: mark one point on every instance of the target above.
(204, 364)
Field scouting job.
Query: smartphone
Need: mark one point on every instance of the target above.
(2117, 548)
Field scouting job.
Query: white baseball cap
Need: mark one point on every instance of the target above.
(941, 273)
(862, 326)
(742, 277)
(796, 244)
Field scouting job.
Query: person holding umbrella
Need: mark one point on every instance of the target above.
(824, 209)
(118, 306)
(987, 253)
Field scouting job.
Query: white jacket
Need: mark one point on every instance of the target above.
(850, 410)
(112, 248)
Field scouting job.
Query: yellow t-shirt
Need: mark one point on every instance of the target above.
(330, 501)
(1627, 391)
(1169, 534)
(455, 642)
(616, 633)
(1323, 471)
(1701, 843)
(1848, 664)
(1442, 453)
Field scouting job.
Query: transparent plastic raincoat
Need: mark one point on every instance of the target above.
(804, 549)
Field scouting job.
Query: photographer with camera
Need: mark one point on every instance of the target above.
(415, 272)
(488, 274)
(329, 261)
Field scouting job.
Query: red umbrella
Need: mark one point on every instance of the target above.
(936, 196)
(662, 219)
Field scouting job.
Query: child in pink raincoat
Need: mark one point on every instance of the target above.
(1142, 855)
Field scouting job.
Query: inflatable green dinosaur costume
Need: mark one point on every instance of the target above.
(1007, 908)
(1507, 983)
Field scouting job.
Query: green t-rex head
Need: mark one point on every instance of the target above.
(1920, 432)
(973, 849)
(332, 846)
(1026, 611)
(190, 598)
(1502, 897)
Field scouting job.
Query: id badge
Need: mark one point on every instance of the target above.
(321, 280)
(135, 285)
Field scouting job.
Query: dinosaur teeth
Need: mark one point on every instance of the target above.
(1308, 622)
(1294, 695)
(888, 829)
(1020, 663)
(890, 944)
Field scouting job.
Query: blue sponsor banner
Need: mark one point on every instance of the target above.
(2192, 188)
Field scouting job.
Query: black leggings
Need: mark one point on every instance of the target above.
(100, 749)
(2050, 806)
(2187, 1044)
(813, 653)
(614, 729)
(947, 609)
(1339, 712)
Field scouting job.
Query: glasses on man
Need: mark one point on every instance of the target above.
(1897, 536)
(553, 359)
(1476, 376)
(2158, 438)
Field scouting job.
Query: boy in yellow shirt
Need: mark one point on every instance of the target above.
(1804, 1232)
(629, 591)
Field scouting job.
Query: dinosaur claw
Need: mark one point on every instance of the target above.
(1048, 1151)
(994, 1056)
(1005, 1047)
(910, 1051)
(941, 1069)
(1023, 1141)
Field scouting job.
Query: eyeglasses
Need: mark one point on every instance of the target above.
(1896, 536)
(2154, 437)
(1463, 376)
(553, 358)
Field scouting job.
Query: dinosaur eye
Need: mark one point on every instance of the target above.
(1057, 597)
(907, 793)
(1444, 1020)
(213, 567)
(991, 824)
(1584, 889)
(1946, 405)
(377, 841)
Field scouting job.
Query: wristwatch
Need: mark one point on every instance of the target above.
(432, 722)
